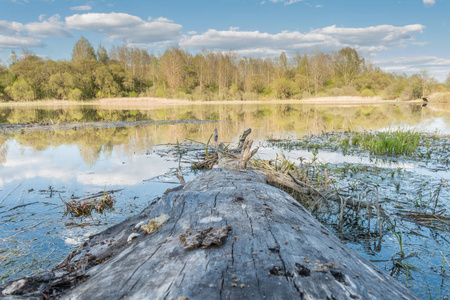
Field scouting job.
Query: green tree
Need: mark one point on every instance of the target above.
(319, 70)
(21, 90)
(83, 50)
(6, 79)
(84, 77)
(32, 70)
(102, 54)
(348, 65)
(61, 84)
(284, 88)
(13, 58)
(105, 85)
(282, 65)
(172, 66)
(376, 81)
(413, 88)
(258, 83)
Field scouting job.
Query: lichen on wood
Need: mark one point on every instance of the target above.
(204, 238)
(155, 223)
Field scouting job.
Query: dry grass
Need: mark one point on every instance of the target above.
(151, 102)
(345, 99)
(440, 97)
(84, 208)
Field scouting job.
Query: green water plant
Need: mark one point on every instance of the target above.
(398, 236)
(390, 142)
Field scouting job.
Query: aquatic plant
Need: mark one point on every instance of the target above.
(399, 238)
(78, 208)
(84, 207)
(399, 258)
(279, 164)
(405, 267)
(107, 202)
(435, 197)
(391, 142)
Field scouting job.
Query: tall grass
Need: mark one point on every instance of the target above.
(391, 142)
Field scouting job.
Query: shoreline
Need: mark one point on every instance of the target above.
(149, 102)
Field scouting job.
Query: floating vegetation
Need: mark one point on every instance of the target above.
(433, 219)
(84, 207)
(50, 191)
(436, 220)
(386, 144)
(23, 128)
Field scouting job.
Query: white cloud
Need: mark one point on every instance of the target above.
(124, 26)
(319, 5)
(233, 28)
(367, 39)
(13, 42)
(102, 22)
(437, 66)
(285, 2)
(429, 3)
(162, 20)
(50, 27)
(382, 35)
(15, 35)
(10, 27)
(420, 43)
(417, 61)
(46, 28)
(246, 40)
(81, 7)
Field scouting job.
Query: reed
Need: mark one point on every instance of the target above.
(391, 142)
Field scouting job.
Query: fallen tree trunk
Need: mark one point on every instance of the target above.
(227, 234)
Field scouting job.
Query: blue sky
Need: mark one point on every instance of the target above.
(397, 35)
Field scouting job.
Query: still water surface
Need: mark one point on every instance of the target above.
(79, 151)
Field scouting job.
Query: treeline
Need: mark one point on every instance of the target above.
(131, 72)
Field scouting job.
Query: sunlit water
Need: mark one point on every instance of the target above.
(41, 168)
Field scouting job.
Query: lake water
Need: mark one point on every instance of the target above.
(60, 153)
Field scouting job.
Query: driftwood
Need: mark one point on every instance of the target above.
(227, 234)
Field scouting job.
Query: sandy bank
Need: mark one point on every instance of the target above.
(144, 101)
(150, 102)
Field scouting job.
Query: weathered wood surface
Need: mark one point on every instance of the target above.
(275, 250)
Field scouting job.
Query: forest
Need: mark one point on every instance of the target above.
(126, 71)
